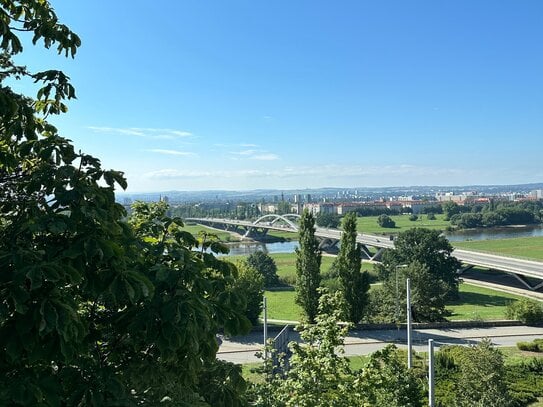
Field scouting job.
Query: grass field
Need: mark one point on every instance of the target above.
(368, 224)
(475, 303)
(286, 264)
(528, 247)
(479, 303)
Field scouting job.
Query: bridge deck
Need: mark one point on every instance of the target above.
(527, 268)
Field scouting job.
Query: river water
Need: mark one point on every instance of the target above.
(474, 234)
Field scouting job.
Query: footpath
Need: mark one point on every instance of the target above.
(362, 342)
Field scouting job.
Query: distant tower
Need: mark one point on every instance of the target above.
(308, 198)
(282, 197)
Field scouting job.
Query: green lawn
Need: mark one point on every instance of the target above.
(475, 303)
(528, 247)
(479, 303)
(286, 264)
(368, 224)
(281, 305)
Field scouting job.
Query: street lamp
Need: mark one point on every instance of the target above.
(409, 346)
(408, 312)
(265, 309)
(400, 266)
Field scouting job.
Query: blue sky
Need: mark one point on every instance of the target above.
(193, 95)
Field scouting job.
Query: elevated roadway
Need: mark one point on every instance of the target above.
(519, 268)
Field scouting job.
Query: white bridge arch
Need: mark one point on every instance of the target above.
(275, 218)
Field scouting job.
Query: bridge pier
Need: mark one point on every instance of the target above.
(526, 283)
(366, 253)
(328, 245)
(255, 233)
(378, 255)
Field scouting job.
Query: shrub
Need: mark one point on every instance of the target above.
(332, 284)
(413, 217)
(386, 221)
(287, 280)
(431, 216)
(528, 346)
(526, 310)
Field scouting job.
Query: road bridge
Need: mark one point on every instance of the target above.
(523, 270)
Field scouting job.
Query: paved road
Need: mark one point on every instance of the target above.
(529, 268)
(242, 349)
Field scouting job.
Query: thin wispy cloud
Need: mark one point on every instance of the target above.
(171, 152)
(169, 173)
(265, 157)
(326, 171)
(245, 152)
(154, 133)
(254, 154)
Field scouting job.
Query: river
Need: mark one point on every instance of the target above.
(472, 234)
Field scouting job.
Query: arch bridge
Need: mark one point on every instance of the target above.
(257, 229)
(527, 272)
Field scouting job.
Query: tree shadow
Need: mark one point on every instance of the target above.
(481, 300)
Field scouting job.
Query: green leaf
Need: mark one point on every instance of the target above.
(35, 277)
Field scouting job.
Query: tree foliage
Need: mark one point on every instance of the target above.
(426, 258)
(526, 310)
(251, 283)
(354, 283)
(471, 376)
(93, 310)
(308, 263)
(386, 221)
(265, 265)
(327, 220)
(320, 375)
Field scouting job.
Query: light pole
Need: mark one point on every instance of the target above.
(399, 266)
(265, 309)
(409, 347)
(431, 393)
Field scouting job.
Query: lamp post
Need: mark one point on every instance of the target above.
(265, 309)
(409, 346)
(431, 391)
(400, 266)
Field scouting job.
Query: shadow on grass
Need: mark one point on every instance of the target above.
(481, 300)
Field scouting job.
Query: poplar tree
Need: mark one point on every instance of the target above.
(308, 263)
(354, 284)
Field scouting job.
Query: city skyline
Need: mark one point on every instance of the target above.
(242, 95)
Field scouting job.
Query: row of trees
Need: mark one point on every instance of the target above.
(353, 284)
(494, 213)
(422, 255)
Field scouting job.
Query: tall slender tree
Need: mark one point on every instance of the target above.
(308, 263)
(354, 284)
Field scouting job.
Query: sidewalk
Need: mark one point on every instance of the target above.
(363, 342)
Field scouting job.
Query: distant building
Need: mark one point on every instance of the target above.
(267, 208)
(316, 208)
